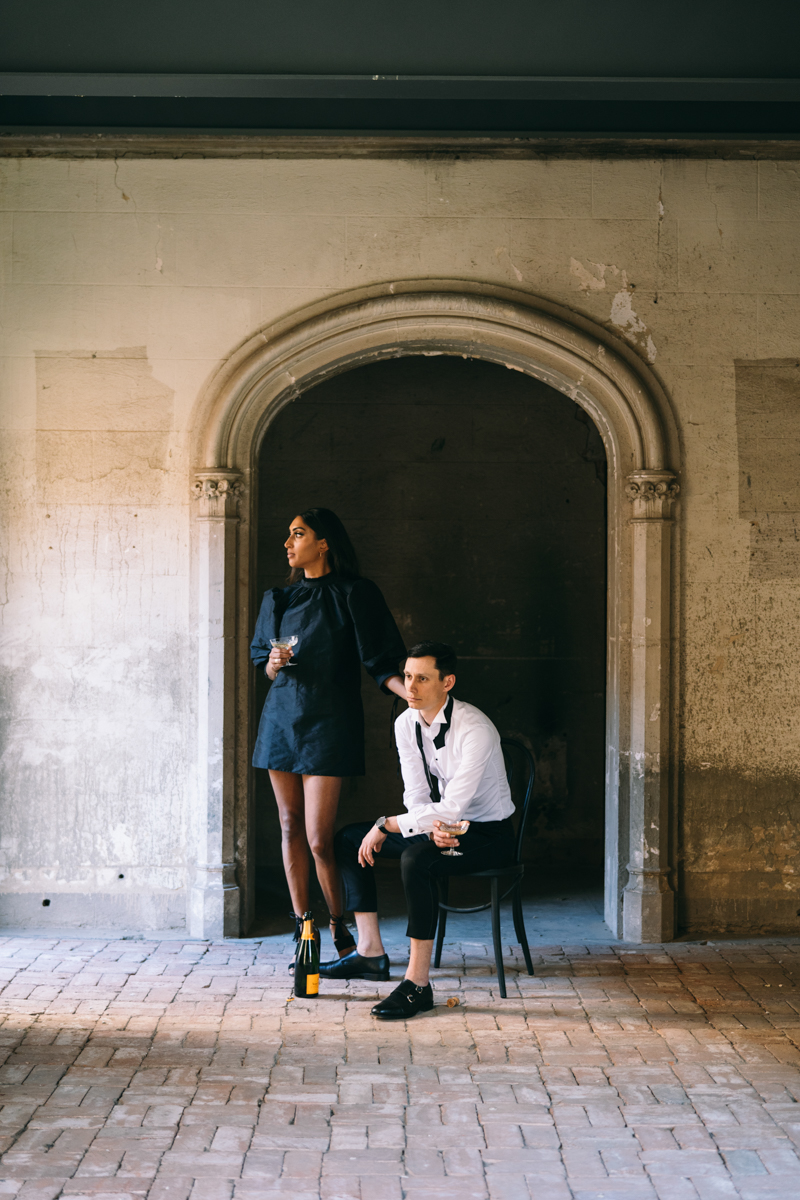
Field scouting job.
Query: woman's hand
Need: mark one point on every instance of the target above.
(444, 841)
(371, 846)
(277, 659)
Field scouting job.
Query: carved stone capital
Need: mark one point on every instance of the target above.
(652, 494)
(218, 492)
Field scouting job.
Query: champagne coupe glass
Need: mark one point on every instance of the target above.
(453, 830)
(285, 643)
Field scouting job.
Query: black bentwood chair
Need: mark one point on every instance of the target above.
(512, 874)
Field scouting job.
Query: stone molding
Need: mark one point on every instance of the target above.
(214, 901)
(218, 493)
(576, 356)
(652, 494)
(625, 400)
(155, 144)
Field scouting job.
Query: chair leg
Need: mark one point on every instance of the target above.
(519, 928)
(498, 945)
(444, 891)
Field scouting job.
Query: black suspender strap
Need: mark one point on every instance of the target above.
(438, 741)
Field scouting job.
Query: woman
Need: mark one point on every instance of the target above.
(312, 727)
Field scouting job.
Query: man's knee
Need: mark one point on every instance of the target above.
(418, 859)
(347, 841)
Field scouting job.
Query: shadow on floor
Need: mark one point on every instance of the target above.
(559, 907)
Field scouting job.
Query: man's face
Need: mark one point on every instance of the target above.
(425, 691)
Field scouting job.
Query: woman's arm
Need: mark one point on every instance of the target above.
(264, 630)
(380, 646)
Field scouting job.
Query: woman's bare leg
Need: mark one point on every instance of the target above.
(322, 800)
(288, 789)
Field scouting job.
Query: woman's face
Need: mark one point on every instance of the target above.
(303, 547)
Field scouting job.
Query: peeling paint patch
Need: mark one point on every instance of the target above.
(595, 278)
(103, 423)
(590, 281)
(768, 439)
(632, 326)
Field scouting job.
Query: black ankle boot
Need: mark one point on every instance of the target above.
(405, 1001)
(342, 937)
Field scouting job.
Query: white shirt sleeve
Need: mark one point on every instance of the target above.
(416, 792)
(474, 750)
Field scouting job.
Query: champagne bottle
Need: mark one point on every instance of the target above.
(306, 963)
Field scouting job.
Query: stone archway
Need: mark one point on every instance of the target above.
(524, 333)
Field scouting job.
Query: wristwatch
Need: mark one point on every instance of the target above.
(381, 824)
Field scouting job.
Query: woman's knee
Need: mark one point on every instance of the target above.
(320, 843)
(292, 826)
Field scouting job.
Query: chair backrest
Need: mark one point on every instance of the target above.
(512, 746)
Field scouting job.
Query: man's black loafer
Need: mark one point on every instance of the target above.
(356, 966)
(405, 1001)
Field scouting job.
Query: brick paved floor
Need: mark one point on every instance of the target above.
(178, 1069)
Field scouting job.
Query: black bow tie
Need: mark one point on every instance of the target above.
(438, 742)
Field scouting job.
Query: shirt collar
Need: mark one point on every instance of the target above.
(440, 724)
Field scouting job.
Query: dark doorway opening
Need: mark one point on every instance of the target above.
(476, 498)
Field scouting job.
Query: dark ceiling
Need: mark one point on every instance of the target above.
(725, 38)
(208, 64)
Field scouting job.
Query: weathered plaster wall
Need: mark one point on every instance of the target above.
(159, 268)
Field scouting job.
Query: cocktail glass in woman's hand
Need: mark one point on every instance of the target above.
(455, 829)
(284, 643)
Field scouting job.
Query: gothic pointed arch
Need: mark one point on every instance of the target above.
(623, 397)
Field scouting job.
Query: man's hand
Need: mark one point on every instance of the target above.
(444, 841)
(371, 846)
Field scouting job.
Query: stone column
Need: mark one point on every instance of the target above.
(648, 908)
(214, 895)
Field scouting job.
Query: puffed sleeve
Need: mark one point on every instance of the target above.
(380, 646)
(266, 627)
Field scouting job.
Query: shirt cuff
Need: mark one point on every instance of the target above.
(407, 825)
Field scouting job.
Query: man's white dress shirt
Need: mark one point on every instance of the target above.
(470, 770)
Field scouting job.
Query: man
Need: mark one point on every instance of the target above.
(453, 770)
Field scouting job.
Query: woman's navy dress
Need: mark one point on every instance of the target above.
(313, 720)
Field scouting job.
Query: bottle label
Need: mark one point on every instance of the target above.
(312, 985)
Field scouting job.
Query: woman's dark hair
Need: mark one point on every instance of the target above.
(342, 558)
(445, 656)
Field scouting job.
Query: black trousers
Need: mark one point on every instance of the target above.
(422, 863)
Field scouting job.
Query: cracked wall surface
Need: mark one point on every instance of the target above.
(124, 285)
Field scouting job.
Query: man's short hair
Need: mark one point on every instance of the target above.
(446, 661)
